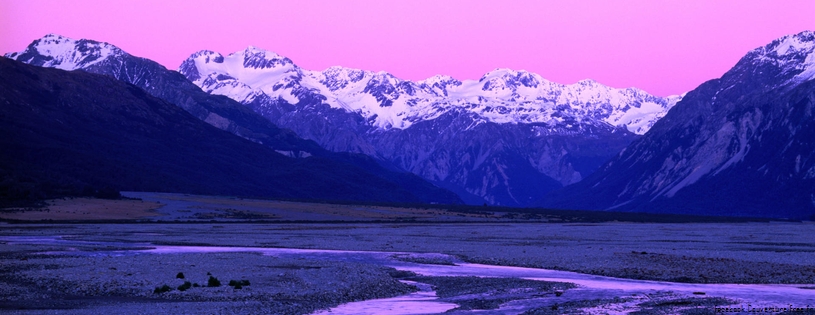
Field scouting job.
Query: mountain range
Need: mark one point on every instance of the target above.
(385, 101)
(505, 139)
(736, 146)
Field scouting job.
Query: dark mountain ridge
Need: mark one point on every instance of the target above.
(171, 86)
(218, 111)
(65, 131)
(740, 145)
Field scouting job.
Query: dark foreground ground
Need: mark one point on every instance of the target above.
(81, 268)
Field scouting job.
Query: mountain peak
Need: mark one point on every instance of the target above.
(57, 51)
(55, 37)
(256, 50)
(504, 78)
(502, 72)
(440, 77)
(792, 55)
(439, 80)
(207, 56)
(793, 44)
(336, 77)
(588, 82)
(259, 58)
(791, 48)
(384, 75)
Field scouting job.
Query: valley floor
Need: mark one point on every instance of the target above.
(430, 267)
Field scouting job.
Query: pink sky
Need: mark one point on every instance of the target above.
(663, 47)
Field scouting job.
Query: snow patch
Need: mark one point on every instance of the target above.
(217, 121)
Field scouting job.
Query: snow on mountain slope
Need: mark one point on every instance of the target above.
(67, 54)
(500, 96)
(791, 54)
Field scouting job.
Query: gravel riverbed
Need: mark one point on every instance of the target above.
(688, 252)
(105, 283)
(94, 268)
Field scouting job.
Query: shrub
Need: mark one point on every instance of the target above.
(185, 286)
(180, 275)
(213, 282)
(238, 283)
(162, 289)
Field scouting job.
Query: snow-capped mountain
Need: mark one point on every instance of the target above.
(64, 53)
(55, 51)
(738, 145)
(500, 96)
(221, 112)
(504, 139)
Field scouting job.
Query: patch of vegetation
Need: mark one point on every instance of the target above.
(162, 289)
(564, 216)
(213, 282)
(185, 286)
(238, 284)
(454, 286)
(234, 214)
(683, 279)
(435, 260)
(180, 275)
(401, 274)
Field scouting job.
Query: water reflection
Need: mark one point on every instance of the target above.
(422, 302)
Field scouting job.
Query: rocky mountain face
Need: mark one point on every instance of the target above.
(505, 139)
(740, 145)
(219, 111)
